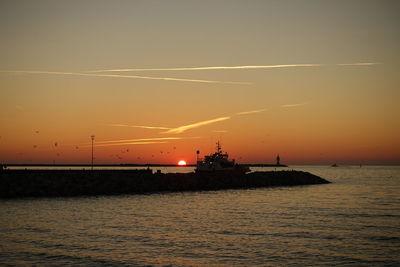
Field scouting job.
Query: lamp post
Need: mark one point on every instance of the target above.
(92, 137)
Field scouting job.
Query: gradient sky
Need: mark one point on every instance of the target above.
(315, 81)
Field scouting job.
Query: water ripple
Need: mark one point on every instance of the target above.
(354, 221)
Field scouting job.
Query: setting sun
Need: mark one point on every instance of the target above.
(182, 163)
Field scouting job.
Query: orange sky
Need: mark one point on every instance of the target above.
(315, 82)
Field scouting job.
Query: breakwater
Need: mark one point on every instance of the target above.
(59, 183)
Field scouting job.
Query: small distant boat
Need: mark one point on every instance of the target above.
(334, 165)
(219, 162)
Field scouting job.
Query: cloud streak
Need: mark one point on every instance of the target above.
(150, 127)
(164, 79)
(137, 140)
(131, 143)
(251, 112)
(98, 73)
(184, 128)
(139, 126)
(123, 76)
(294, 105)
(117, 125)
(360, 64)
(241, 67)
(212, 68)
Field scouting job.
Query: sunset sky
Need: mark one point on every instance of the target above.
(317, 82)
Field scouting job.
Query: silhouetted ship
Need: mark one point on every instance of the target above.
(219, 163)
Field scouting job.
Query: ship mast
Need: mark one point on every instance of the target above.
(218, 148)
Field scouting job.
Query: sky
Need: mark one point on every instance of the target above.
(316, 82)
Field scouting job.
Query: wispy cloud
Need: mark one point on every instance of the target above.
(251, 112)
(122, 76)
(166, 79)
(294, 105)
(150, 127)
(212, 68)
(137, 140)
(241, 67)
(139, 126)
(359, 64)
(131, 143)
(97, 73)
(117, 125)
(184, 128)
(220, 131)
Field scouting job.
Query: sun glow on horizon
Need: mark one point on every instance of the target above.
(182, 163)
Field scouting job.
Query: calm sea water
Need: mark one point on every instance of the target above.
(355, 221)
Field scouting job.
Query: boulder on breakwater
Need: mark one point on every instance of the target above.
(60, 183)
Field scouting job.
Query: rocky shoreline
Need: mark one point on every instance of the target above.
(63, 183)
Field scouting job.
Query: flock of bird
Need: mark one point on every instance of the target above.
(119, 156)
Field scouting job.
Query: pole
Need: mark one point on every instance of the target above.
(92, 137)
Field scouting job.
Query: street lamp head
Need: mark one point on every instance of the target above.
(92, 137)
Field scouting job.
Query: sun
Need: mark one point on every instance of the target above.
(182, 163)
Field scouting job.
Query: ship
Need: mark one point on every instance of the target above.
(219, 162)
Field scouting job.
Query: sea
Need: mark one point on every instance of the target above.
(354, 221)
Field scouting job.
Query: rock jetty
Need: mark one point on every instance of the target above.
(61, 183)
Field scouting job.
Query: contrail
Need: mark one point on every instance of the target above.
(235, 67)
(184, 128)
(122, 76)
(139, 126)
(213, 68)
(359, 64)
(150, 127)
(137, 140)
(294, 105)
(164, 79)
(116, 125)
(130, 143)
(93, 73)
(250, 112)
